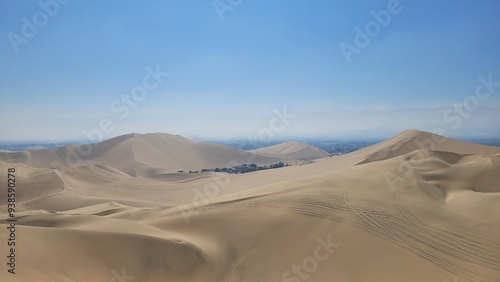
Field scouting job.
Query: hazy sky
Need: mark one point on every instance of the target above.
(338, 68)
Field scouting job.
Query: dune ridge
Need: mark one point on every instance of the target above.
(155, 153)
(394, 211)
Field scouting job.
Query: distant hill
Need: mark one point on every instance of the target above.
(157, 153)
(292, 150)
(411, 140)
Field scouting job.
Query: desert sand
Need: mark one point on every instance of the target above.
(416, 207)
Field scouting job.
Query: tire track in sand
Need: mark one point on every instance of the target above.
(435, 246)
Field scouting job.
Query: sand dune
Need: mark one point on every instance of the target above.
(411, 140)
(292, 151)
(395, 211)
(156, 153)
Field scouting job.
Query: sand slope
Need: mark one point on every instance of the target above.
(292, 150)
(390, 212)
(411, 140)
(155, 153)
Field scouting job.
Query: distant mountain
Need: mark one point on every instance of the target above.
(411, 140)
(292, 150)
(157, 153)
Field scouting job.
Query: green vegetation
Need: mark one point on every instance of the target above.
(244, 168)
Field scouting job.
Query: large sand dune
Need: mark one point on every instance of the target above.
(293, 151)
(155, 153)
(396, 211)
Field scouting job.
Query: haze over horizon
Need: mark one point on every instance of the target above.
(229, 73)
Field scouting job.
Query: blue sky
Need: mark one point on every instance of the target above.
(229, 71)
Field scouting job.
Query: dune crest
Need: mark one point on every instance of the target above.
(394, 211)
(292, 150)
(411, 140)
(157, 153)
